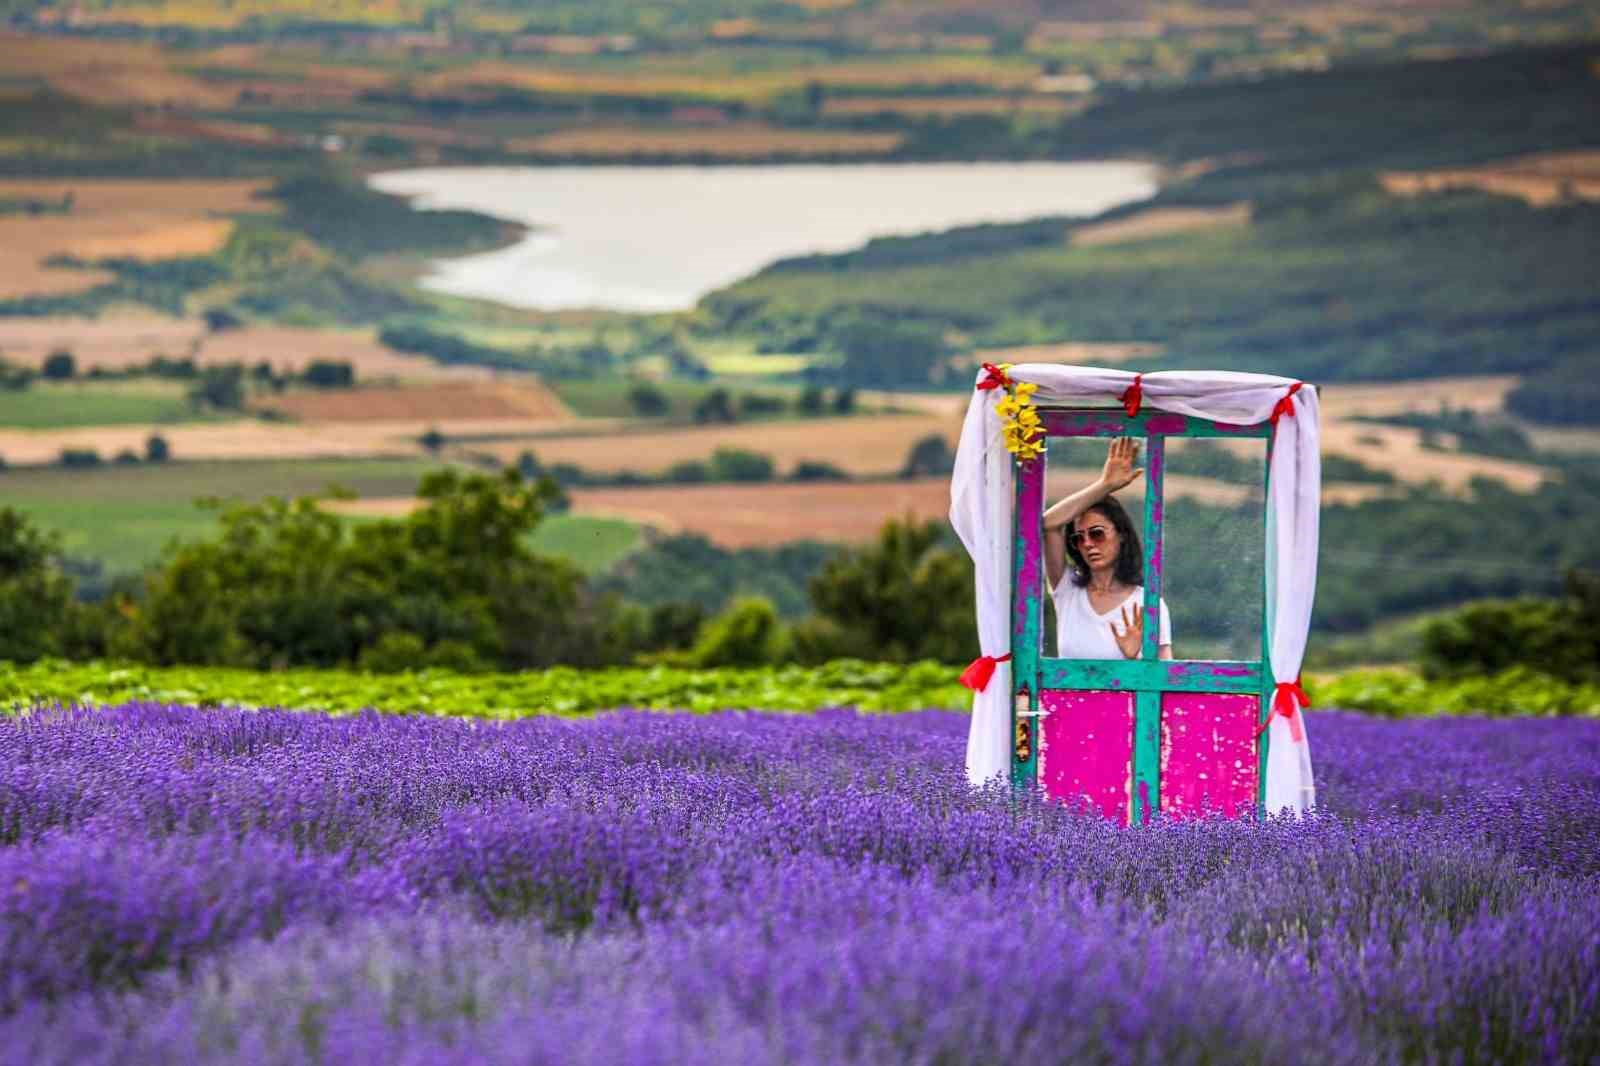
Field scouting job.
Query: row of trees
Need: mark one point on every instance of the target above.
(454, 583)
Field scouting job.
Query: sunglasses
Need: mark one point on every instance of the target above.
(1092, 535)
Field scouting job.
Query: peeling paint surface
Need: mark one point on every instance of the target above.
(1208, 753)
(1086, 750)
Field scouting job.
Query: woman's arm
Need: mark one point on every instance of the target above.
(1119, 472)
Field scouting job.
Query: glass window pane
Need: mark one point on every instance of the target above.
(1215, 546)
(1083, 628)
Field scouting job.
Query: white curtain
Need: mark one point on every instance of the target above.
(982, 501)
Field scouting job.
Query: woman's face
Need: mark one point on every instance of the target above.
(1096, 539)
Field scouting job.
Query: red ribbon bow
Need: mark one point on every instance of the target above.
(994, 378)
(1285, 406)
(976, 676)
(1132, 396)
(1284, 699)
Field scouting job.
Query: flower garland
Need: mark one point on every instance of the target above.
(1021, 430)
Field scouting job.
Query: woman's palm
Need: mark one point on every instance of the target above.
(1119, 469)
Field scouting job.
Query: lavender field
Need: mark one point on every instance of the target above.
(179, 885)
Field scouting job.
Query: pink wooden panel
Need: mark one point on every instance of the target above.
(1086, 750)
(1208, 753)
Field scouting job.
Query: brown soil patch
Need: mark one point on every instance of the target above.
(114, 73)
(1160, 222)
(1485, 395)
(1542, 179)
(246, 439)
(743, 141)
(293, 348)
(444, 403)
(864, 445)
(743, 516)
(674, 76)
(141, 219)
(116, 341)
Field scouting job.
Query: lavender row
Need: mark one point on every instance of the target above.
(779, 888)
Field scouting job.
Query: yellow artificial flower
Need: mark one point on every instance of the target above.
(1029, 417)
(1025, 391)
(1007, 408)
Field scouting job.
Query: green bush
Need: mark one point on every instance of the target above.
(1553, 637)
(747, 634)
(907, 595)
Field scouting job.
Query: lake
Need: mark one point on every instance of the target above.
(660, 238)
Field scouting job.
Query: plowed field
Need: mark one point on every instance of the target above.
(444, 403)
(138, 219)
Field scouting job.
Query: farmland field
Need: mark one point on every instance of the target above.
(119, 340)
(861, 444)
(108, 219)
(43, 405)
(445, 402)
(123, 516)
(185, 884)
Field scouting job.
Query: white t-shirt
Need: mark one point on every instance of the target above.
(1082, 633)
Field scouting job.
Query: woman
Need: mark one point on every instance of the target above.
(1096, 568)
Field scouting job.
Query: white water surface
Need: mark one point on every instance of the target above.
(660, 238)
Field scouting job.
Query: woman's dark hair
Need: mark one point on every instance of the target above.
(1129, 567)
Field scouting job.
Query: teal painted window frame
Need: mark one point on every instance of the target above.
(1148, 676)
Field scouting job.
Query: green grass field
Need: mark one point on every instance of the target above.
(595, 544)
(63, 405)
(124, 516)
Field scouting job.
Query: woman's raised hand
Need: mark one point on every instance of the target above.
(1131, 640)
(1119, 470)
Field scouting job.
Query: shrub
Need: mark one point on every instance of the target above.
(810, 470)
(59, 365)
(756, 404)
(648, 401)
(79, 458)
(1554, 637)
(736, 464)
(929, 457)
(747, 634)
(715, 406)
(156, 449)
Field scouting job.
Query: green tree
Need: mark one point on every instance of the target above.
(647, 400)
(59, 365)
(36, 604)
(928, 457)
(736, 464)
(907, 595)
(748, 633)
(715, 406)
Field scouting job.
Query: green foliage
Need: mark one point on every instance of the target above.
(1566, 393)
(59, 365)
(929, 457)
(737, 464)
(329, 374)
(1386, 558)
(908, 595)
(690, 569)
(648, 401)
(36, 604)
(290, 583)
(1513, 693)
(1334, 279)
(555, 691)
(448, 348)
(747, 634)
(356, 222)
(1554, 637)
(715, 406)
